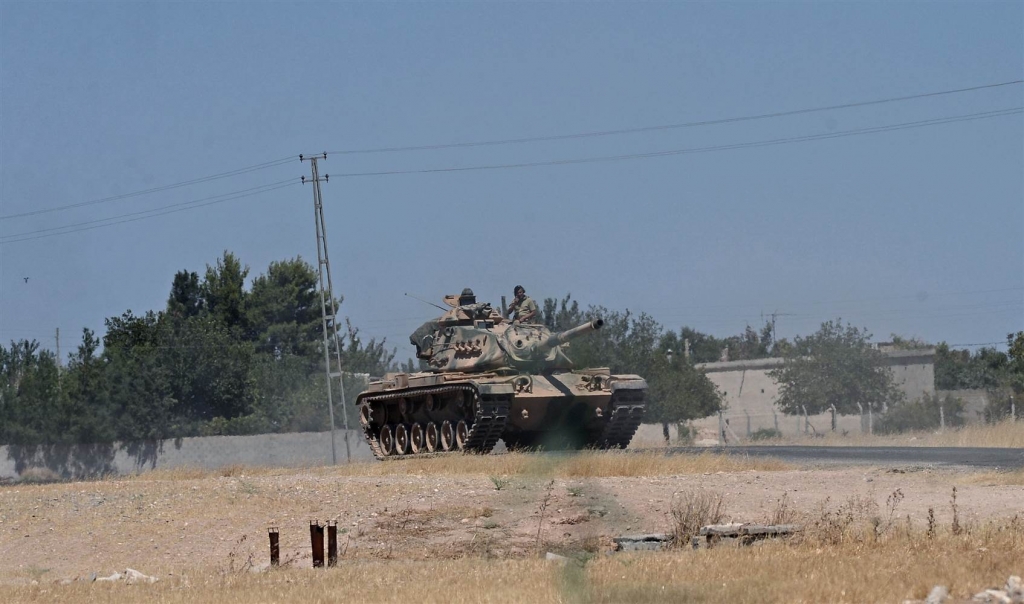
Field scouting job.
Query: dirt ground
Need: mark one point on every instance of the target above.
(167, 524)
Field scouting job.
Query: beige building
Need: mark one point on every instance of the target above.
(750, 395)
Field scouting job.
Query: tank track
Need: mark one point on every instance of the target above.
(627, 413)
(490, 415)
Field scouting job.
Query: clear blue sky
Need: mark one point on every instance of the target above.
(918, 232)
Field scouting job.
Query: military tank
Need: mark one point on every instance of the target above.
(490, 378)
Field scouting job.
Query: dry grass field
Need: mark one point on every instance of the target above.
(473, 529)
(1007, 433)
(1004, 434)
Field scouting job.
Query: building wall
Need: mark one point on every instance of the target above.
(750, 395)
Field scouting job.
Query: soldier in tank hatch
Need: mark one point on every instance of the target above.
(523, 306)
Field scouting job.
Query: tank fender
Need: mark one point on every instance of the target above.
(495, 389)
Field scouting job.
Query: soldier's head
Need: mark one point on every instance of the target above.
(467, 297)
(519, 291)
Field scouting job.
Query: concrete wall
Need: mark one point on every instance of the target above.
(750, 395)
(212, 452)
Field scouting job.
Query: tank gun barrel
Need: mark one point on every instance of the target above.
(562, 337)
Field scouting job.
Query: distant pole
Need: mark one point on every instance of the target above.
(747, 413)
(863, 426)
(832, 408)
(721, 429)
(942, 419)
(871, 418)
(775, 416)
(59, 365)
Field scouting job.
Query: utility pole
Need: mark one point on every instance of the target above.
(328, 310)
(57, 337)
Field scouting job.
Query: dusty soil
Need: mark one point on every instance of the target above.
(164, 525)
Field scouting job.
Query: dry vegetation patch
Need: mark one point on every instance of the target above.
(585, 464)
(1007, 433)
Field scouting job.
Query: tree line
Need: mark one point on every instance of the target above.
(223, 358)
(220, 358)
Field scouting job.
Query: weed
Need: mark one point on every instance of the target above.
(931, 523)
(781, 513)
(575, 491)
(543, 508)
(956, 528)
(692, 510)
(499, 483)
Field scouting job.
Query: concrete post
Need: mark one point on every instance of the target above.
(721, 429)
(871, 418)
(832, 408)
(863, 426)
(775, 416)
(747, 413)
(942, 419)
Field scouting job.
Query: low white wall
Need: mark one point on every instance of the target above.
(212, 452)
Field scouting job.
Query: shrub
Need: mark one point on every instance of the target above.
(765, 434)
(922, 414)
(692, 510)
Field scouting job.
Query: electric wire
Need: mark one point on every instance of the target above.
(167, 187)
(134, 216)
(535, 139)
(696, 150)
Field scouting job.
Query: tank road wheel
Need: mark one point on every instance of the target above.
(364, 414)
(387, 440)
(461, 435)
(401, 439)
(447, 436)
(431, 437)
(416, 438)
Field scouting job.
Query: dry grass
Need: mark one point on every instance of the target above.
(862, 568)
(692, 510)
(1004, 434)
(586, 464)
(996, 478)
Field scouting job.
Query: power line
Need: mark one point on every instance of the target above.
(729, 120)
(140, 212)
(695, 150)
(1001, 343)
(177, 185)
(161, 211)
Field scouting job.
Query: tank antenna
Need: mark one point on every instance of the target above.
(430, 303)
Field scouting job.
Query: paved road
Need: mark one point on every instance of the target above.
(978, 457)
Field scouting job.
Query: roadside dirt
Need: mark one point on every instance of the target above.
(164, 526)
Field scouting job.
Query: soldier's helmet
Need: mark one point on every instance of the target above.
(467, 297)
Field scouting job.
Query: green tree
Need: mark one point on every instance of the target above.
(137, 378)
(836, 366)
(84, 409)
(223, 291)
(29, 393)
(283, 309)
(678, 391)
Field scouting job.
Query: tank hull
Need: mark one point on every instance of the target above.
(426, 413)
